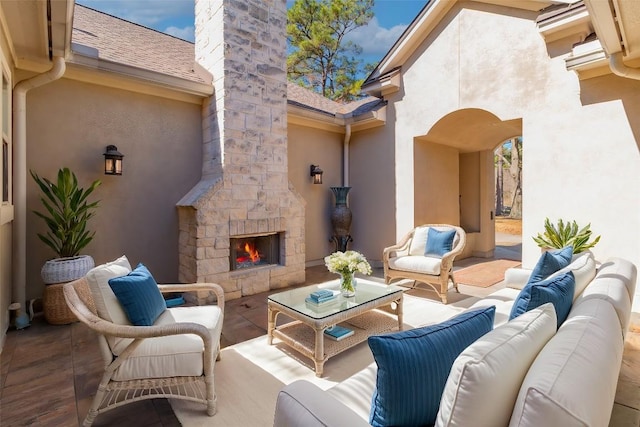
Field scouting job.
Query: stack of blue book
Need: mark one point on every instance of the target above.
(321, 296)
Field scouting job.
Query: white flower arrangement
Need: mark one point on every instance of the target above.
(347, 263)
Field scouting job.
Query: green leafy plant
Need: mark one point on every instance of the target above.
(69, 212)
(565, 234)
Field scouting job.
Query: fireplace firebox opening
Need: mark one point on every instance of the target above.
(254, 251)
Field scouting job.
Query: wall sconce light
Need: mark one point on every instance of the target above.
(113, 161)
(316, 173)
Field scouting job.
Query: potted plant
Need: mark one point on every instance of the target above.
(67, 214)
(565, 234)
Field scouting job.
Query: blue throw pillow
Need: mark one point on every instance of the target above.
(550, 262)
(413, 367)
(139, 296)
(556, 290)
(439, 242)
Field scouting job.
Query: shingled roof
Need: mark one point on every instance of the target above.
(127, 43)
(124, 42)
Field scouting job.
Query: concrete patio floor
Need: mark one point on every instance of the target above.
(49, 374)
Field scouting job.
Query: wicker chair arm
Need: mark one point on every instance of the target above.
(187, 287)
(84, 314)
(448, 258)
(402, 245)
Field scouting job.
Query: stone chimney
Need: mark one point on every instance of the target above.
(244, 190)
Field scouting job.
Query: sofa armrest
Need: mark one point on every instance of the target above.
(303, 404)
(516, 278)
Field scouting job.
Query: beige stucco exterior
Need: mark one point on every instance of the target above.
(579, 136)
(70, 124)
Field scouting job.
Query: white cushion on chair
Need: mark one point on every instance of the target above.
(418, 241)
(107, 305)
(418, 264)
(175, 355)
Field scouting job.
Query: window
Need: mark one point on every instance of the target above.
(5, 172)
(6, 159)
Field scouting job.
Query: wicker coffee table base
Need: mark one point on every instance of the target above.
(306, 335)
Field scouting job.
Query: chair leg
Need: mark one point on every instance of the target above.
(212, 399)
(455, 284)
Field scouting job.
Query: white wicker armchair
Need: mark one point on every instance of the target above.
(406, 260)
(121, 344)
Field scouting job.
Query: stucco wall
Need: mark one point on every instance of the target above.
(5, 278)
(371, 165)
(437, 183)
(580, 156)
(70, 124)
(307, 146)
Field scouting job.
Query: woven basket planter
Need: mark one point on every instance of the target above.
(55, 273)
(55, 308)
(63, 270)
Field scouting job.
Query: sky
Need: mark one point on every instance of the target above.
(175, 17)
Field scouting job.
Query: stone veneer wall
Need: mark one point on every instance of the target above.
(244, 188)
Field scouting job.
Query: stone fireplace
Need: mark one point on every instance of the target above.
(244, 190)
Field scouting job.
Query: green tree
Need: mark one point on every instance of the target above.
(320, 58)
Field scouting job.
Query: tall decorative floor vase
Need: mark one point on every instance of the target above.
(341, 218)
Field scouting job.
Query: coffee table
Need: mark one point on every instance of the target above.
(376, 308)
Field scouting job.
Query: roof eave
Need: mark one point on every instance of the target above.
(84, 65)
(384, 85)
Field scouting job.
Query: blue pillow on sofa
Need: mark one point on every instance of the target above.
(413, 367)
(557, 290)
(139, 296)
(439, 242)
(550, 262)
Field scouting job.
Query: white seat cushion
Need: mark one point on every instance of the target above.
(485, 378)
(573, 380)
(175, 355)
(416, 264)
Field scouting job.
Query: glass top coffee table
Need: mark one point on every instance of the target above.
(376, 308)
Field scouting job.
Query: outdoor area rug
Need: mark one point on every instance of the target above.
(484, 274)
(250, 374)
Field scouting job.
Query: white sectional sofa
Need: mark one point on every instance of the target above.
(570, 381)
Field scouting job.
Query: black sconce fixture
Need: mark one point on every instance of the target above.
(113, 161)
(316, 173)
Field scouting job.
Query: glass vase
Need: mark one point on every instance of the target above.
(348, 284)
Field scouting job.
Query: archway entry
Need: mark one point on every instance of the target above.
(508, 197)
(454, 175)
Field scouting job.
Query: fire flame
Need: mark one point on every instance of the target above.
(250, 250)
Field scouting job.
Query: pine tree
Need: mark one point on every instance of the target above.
(320, 58)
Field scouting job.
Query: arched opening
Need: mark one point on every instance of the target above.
(454, 174)
(508, 197)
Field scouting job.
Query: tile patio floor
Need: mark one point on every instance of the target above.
(49, 374)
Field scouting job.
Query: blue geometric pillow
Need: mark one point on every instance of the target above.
(550, 262)
(556, 290)
(139, 296)
(413, 367)
(439, 242)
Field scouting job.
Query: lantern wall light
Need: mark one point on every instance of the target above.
(316, 173)
(112, 161)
